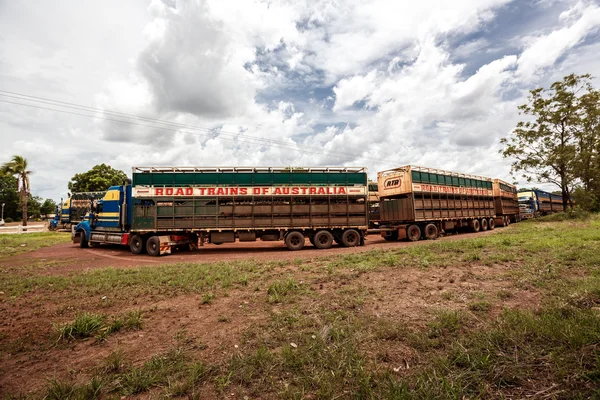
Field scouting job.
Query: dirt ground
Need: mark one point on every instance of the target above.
(29, 357)
(78, 259)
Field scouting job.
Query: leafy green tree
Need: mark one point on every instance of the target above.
(34, 206)
(17, 167)
(546, 146)
(99, 178)
(588, 142)
(9, 195)
(48, 207)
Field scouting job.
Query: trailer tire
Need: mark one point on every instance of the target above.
(413, 233)
(475, 226)
(294, 240)
(491, 224)
(84, 244)
(136, 244)
(350, 238)
(431, 231)
(507, 221)
(153, 246)
(484, 224)
(323, 239)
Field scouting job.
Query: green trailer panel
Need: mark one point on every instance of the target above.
(176, 177)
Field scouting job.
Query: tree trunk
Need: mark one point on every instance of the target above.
(24, 203)
(565, 198)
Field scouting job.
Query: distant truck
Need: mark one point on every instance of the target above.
(535, 203)
(73, 210)
(417, 202)
(506, 202)
(167, 208)
(374, 216)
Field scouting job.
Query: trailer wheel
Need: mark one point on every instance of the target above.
(350, 238)
(491, 224)
(153, 246)
(294, 240)
(323, 240)
(84, 244)
(484, 224)
(413, 233)
(431, 232)
(507, 221)
(136, 244)
(475, 225)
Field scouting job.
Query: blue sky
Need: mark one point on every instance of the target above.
(364, 83)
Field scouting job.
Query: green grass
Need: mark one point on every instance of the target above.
(14, 244)
(173, 372)
(336, 346)
(117, 283)
(281, 289)
(86, 325)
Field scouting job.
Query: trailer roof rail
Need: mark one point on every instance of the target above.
(434, 171)
(167, 170)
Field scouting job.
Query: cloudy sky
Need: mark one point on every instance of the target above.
(375, 83)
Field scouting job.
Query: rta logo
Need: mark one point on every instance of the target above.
(392, 183)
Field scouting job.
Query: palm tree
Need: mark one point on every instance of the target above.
(18, 168)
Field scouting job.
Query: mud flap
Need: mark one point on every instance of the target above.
(75, 236)
(165, 245)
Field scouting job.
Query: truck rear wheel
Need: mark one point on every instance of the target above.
(350, 238)
(323, 240)
(413, 233)
(153, 246)
(294, 240)
(475, 225)
(431, 232)
(484, 224)
(136, 244)
(491, 223)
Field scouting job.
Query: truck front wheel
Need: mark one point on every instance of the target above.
(83, 243)
(153, 246)
(136, 244)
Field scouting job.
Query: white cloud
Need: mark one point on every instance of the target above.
(259, 75)
(543, 51)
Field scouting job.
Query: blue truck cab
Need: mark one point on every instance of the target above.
(53, 223)
(109, 219)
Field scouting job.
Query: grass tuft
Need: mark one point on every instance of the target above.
(86, 325)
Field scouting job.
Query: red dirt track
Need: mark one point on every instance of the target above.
(120, 256)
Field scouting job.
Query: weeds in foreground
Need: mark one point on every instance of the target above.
(281, 289)
(86, 325)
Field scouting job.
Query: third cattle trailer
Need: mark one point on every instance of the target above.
(506, 202)
(420, 202)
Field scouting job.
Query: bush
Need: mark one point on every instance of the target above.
(572, 213)
(9, 219)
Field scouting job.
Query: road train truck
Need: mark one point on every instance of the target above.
(535, 203)
(417, 202)
(506, 202)
(73, 210)
(167, 208)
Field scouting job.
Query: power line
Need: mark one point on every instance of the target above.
(225, 134)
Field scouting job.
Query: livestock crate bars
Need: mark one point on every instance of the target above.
(438, 177)
(247, 176)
